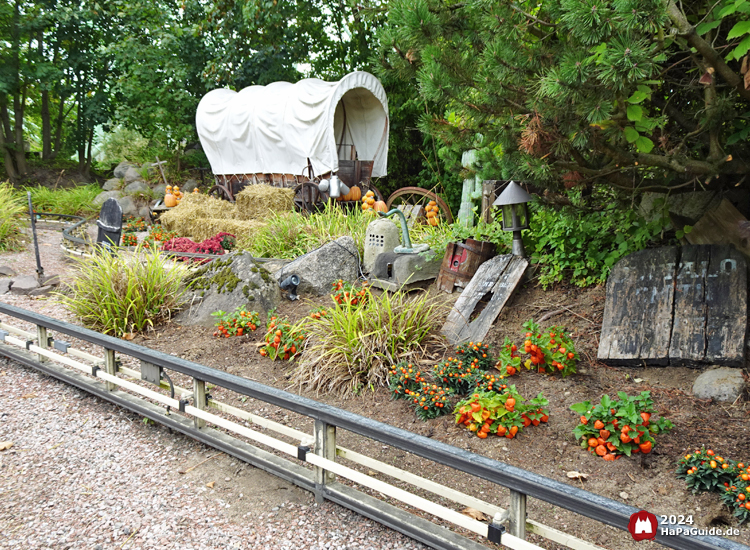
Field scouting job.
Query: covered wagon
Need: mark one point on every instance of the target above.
(294, 135)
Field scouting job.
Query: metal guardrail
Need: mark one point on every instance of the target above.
(521, 483)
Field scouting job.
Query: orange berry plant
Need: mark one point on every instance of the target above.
(404, 378)
(550, 351)
(238, 323)
(283, 340)
(476, 352)
(345, 293)
(459, 375)
(500, 413)
(430, 400)
(613, 428)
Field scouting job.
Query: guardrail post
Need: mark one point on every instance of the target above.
(325, 446)
(517, 511)
(199, 401)
(110, 366)
(41, 336)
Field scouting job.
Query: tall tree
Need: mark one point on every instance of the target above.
(637, 94)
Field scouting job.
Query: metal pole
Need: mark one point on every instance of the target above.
(39, 268)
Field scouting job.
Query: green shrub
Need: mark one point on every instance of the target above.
(72, 201)
(12, 208)
(353, 347)
(122, 293)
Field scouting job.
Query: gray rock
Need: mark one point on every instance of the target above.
(24, 284)
(137, 187)
(7, 271)
(319, 269)
(42, 290)
(721, 384)
(53, 280)
(159, 190)
(128, 205)
(131, 175)
(4, 285)
(122, 168)
(112, 184)
(102, 197)
(189, 185)
(227, 283)
(144, 212)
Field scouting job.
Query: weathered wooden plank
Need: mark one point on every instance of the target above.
(726, 307)
(688, 342)
(496, 278)
(720, 226)
(638, 309)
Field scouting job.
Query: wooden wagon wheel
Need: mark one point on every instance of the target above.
(219, 192)
(418, 195)
(308, 198)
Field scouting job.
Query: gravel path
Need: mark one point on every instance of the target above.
(85, 474)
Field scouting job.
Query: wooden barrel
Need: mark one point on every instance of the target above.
(461, 262)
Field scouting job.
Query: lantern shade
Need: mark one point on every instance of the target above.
(513, 203)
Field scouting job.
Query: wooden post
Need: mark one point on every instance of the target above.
(199, 400)
(41, 336)
(325, 446)
(488, 197)
(517, 511)
(110, 366)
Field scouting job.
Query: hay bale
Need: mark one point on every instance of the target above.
(204, 228)
(184, 218)
(255, 202)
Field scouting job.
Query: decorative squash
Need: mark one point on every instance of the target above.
(380, 206)
(355, 193)
(433, 221)
(170, 200)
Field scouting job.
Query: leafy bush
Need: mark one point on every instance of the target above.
(239, 322)
(118, 294)
(10, 227)
(623, 426)
(353, 347)
(73, 201)
(502, 413)
(283, 339)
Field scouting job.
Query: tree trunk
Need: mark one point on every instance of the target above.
(61, 114)
(81, 131)
(46, 127)
(6, 143)
(89, 146)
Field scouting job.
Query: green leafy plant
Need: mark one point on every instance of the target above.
(344, 293)
(240, 321)
(703, 471)
(509, 361)
(12, 209)
(118, 294)
(354, 347)
(622, 426)
(283, 340)
(129, 239)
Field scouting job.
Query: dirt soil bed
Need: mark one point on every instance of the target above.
(642, 481)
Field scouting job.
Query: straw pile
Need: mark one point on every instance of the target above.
(256, 202)
(200, 216)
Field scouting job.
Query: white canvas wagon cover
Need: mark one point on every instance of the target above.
(276, 128)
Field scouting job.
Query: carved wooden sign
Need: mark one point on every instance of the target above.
(676, 306)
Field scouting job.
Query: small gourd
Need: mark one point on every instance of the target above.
(380, 206)
(170, 200)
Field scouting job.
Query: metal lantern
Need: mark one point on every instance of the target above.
(515, 213)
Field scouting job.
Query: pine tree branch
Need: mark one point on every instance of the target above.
(532, 18)
(685, 29)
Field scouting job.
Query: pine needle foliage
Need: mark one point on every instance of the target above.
(636, 94)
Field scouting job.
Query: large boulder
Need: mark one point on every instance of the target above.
(128, 205)
(122, 168)
(102, 197)
(226, 284)
(5, 285)
(319, 269)
(137, 187)
(132, 174)
(721, 384)
(112, 184)
(189, 185)
(159, 190)
(24, 284)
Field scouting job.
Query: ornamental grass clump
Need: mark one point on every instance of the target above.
(353, 347)
(13, 207)
(119, 294)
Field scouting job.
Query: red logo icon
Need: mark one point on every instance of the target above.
(643, 525)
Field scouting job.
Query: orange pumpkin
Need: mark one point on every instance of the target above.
(355, 193)
(380, 206)
(170, 200)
